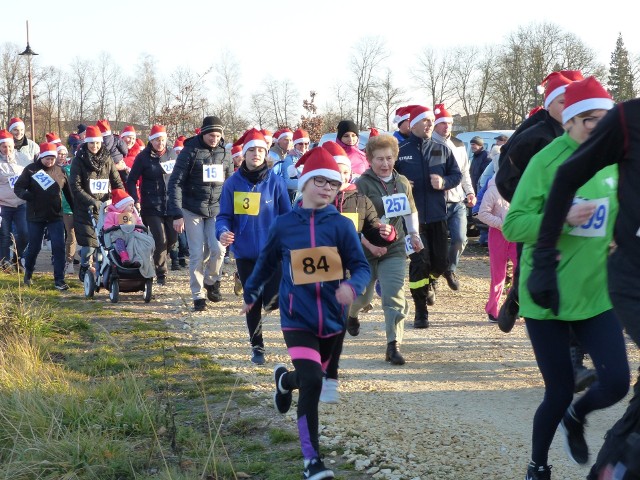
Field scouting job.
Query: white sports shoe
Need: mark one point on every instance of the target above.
(329, 392)
(68, 269)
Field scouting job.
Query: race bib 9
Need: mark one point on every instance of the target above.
(396, 205)
(168, 166)
(246, 203)
(12, 180)
(315, 265)
(212, 173)
(42, 179)
(353, 217)
(97, 186)
(125, 218)
(597, 224)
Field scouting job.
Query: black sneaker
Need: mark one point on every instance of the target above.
(538, 472)
(452, 280)
(583, 378)
(161, 280)
(315, 470)
(213, 292)
(574, 442)
(200, 305)
(353, 326)
(27, 278)
(491, 318)
(508, 313)
(183, 263)
(282, 398)
(175, 266)
(62, 286)
(431, 293)
(257, 355)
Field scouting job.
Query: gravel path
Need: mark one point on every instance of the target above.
(461, 408)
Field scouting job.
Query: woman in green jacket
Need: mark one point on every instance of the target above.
(585, 307)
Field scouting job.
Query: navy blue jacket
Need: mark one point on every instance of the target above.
(310, 307)
(479, 162)
(153, 185)
(413, 164)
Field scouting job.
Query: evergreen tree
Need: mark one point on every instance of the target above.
(620, 75)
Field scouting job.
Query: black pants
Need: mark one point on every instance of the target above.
(268, 299)
(309, 353)
(430, 262)
(332, 366)
(165, 237)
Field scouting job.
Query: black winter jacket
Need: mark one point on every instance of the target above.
(187, 187)
(153, 185)
(84, 168)
(44, 204)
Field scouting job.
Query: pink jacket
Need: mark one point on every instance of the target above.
(112, 217)
(493, 208)
(358, 159)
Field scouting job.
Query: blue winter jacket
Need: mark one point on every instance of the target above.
(251, 230)
(431, 203)
(311, 307)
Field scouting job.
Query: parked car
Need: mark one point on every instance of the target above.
(363, 138)
(488, 137)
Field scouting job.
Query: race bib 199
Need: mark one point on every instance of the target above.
(97, 185)
(168, 166)
(246, 203)
(212, 173)
(12, 180)
(396, 205)
(315, 265)
(597, 224)
(42, 179)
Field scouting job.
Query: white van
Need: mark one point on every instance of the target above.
(487, 136)
(363, 138)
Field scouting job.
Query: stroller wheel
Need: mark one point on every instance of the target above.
(89, 284)
(146, 294)
(114, 291)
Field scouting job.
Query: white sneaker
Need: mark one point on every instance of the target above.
(68, 269)
(329, 392)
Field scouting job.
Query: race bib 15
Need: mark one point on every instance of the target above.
(212, 173)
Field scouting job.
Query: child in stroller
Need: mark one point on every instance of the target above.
(121, 212)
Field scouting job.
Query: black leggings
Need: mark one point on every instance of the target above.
(310, 355)
(267, 299)
(601, 336)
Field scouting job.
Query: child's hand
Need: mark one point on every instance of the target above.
(227, 238)
(246, 308)
(344, 294)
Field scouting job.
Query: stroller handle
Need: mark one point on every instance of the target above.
(116, 227)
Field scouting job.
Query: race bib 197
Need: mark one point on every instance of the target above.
(396, 205)
(212, 173)
(315, 265)
(42, 179)
(97, 185)
(596, 226)
(168, 166)
(246, 203)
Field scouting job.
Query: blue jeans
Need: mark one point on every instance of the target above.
(14, 219)
(457, 223)
(56, 234)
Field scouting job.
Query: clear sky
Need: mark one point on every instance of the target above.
(307, 42)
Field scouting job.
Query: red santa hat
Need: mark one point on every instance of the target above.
(15, 122)
(120, 198)
(157, 131)
(268, 136)
(128, 131)
(553, 86)
(300, 136)
(573, 75)
(318, 162)
(6, 137)
(534, 110)
(442, 115)
(52, 137)
(47, 149)
(104, 126)
(60, 147)
(283, 133)
(251, 138)
(403, 114)
(373, 132)
(179, 143)
(236, 151)
(418, 113)
(585, 95)
(92, 134)
(337, 152)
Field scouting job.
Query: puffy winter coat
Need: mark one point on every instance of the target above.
(10, 170)
(153, 173)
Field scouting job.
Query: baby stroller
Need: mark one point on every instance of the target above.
(109, 271)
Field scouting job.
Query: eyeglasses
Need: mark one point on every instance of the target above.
(321, 182)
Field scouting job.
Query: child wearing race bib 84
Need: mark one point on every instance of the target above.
(316, 246)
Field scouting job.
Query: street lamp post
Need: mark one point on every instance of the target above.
(29, 53)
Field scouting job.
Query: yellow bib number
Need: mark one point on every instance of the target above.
(314, 265)
(125, 218)
(246, 203)
(353, 217)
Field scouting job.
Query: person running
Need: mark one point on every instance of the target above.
(251, 200)
(70, 244)
(586, 308)
(41, 185)
(316, 246)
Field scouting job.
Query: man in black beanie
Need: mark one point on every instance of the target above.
(193, 200)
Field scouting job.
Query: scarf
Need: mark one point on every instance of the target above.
(254, 176)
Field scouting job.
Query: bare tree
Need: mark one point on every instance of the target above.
(433, 74)
(106, 72)
(146, 90)
(12, 79)
(82, 79)
(121, 95)
(389, 97)
(228, 83)
(259, 105)
(368, 54)
(282, 98)
(471, 74)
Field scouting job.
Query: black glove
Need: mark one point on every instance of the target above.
(543, 281)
